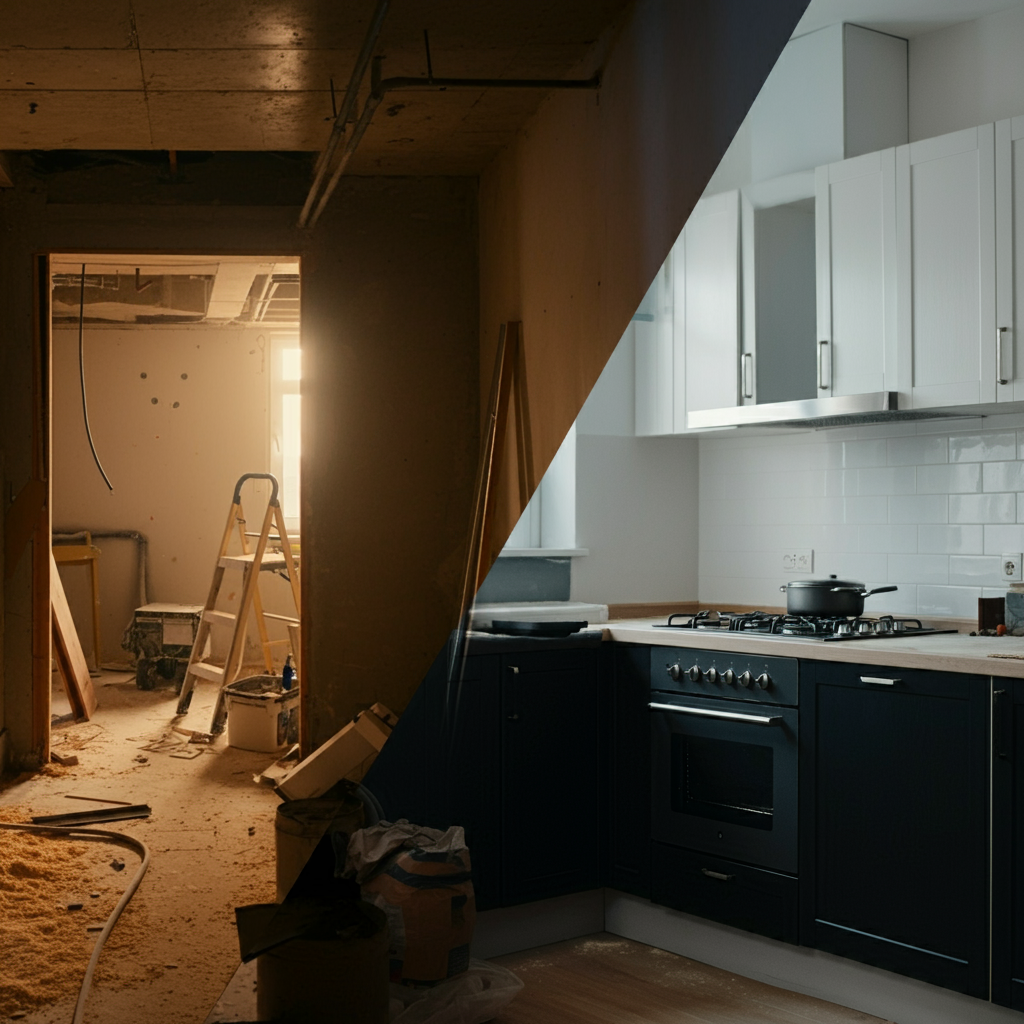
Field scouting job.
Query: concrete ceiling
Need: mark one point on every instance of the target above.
(247, 75)
(906, 18)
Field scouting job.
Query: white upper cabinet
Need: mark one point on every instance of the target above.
(946, 320)
(855, 222)
(652, 328)
(710, 320)
(1009, 261)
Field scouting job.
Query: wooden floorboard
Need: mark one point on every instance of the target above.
(605, 979)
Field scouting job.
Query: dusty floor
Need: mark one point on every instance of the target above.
(605, 979)
(211, 836)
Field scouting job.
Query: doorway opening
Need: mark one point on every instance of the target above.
(174, 377)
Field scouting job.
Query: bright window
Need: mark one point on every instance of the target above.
(286, 422)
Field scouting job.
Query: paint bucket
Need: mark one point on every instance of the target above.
(337, 980)
(299, 827)
(260, 713)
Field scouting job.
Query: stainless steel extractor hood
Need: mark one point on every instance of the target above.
(838, 411)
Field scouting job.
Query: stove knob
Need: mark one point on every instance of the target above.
(764, 680)
(712, 675)
(675, 671)
(746, 679)
(695, 674)
(729, 677)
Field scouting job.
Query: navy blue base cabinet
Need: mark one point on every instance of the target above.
(894, 820)
(1008, 843)
(627, 846)
(513, 755)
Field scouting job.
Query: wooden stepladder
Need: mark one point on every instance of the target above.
(252, 563)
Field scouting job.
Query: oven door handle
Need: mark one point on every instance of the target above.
(728, 716)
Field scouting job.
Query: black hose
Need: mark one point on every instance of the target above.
(81, 377)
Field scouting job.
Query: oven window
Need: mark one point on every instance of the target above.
(723, 780)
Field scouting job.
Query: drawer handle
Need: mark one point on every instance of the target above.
(879, 681)
(717, 875)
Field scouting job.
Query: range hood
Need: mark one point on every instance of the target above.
(838, 411)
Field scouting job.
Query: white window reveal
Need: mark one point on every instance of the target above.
(286, 422)
(548, 523)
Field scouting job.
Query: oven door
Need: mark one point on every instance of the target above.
(725, 778)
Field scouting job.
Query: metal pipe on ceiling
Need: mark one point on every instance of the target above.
(380, 87)
(347, 107)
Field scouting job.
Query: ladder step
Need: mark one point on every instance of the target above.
(220, 618)
(215, 673)
(271, 560)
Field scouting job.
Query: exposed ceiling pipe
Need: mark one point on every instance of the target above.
(379, 87)
(348, 107)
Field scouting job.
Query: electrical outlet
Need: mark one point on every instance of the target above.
(1011, 567)
(798, 561)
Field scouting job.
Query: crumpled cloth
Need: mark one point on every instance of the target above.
(370, 847)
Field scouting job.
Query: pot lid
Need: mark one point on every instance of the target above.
(828, 584)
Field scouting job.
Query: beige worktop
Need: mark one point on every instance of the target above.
(953, 652)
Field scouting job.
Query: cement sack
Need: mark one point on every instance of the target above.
(421, 879)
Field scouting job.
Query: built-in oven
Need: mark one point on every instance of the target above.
(724, 754)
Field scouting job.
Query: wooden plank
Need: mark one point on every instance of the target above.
(70, 660)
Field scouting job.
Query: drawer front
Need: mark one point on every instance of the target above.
(722, 890)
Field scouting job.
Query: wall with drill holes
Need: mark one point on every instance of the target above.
(177, 415)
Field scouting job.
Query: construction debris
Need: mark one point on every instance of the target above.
(67, 760)
(101, 814)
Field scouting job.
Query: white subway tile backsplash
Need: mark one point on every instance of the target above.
(894, 538)
(962, 478)
(982, 508)
(982, 447)
(918, 508)
(1004, 539)
(907, 504)
(918, 568)
(951, 540)
(948, 602)
(974, 570)
(1004, 476)
(916, 450)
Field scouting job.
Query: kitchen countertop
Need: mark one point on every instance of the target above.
(951, 652)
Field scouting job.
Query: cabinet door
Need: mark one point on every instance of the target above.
(1009, 262)
(895, 870)
(1008, 842)
(712, 308)
(628, 842)
(945, 207)
(855, 222)
(551, 775)
(652, 328)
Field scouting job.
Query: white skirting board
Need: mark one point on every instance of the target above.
(868, 989)
(510, 929)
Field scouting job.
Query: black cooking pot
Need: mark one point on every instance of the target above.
(827, 597)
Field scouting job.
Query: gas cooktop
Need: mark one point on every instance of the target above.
(810, 627)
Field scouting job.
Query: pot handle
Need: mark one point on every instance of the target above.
(862, 591)
(880, 590)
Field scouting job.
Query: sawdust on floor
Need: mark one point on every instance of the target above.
(211, 837)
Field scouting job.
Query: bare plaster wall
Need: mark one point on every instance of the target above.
(578, 215)
(390, 402)
(178, 414)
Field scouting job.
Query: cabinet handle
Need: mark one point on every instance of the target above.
(1000, 379)
(717, 874)
(824, 383)
(748, 374)
(879, 681)
(726, 716)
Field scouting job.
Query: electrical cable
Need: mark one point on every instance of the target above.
(81, 377)
(95, 835)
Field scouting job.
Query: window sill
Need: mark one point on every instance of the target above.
(543, 552)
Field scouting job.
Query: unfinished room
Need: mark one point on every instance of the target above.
(441, 448)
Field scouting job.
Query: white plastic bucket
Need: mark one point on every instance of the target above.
(259, 713)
